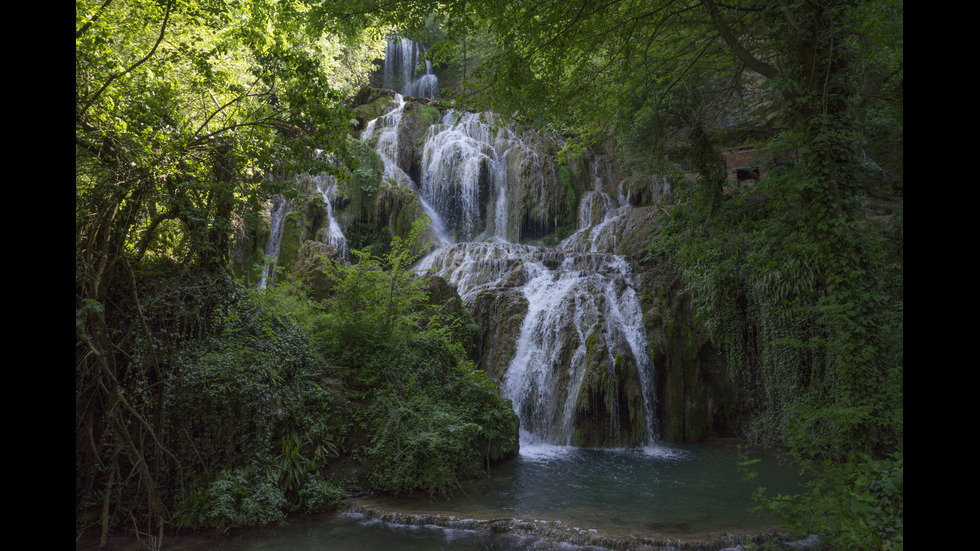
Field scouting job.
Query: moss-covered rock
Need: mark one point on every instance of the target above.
(310, 268)
(414, 125)
(369, 104)
(499, 314)
(609, 408)
(694, 393)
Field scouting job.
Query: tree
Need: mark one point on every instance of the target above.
(184, 112)
(623, 67)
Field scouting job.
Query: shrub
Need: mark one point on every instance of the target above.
(319, 496)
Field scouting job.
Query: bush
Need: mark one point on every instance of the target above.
(855, 505)
(252, 424)
(236, 497)
(437, 421)
(318, 496)
(432, 418)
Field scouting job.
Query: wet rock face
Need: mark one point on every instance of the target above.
(370, 103)
(609, 410)
(414, 125)
(499, 314)
(695, 400)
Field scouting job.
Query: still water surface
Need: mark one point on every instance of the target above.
(681, 492)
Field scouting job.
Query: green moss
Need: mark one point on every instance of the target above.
(590, 343)
(430, 114)
(373, 109)
(292, 235)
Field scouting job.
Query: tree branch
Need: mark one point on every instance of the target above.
(163, 28)
(93, 19)
(734, 45)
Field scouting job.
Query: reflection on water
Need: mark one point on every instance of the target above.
(677, 491)
(687, 493)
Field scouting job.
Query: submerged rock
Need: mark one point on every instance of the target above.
(551, 534)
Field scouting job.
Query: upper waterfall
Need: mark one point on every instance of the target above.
(403, 59)
(466, 164)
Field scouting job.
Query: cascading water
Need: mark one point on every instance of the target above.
(580, 373)
(387, 148)
(326, 184)
(466, 164)
(403, 57)
(277, 218)
(598, 214)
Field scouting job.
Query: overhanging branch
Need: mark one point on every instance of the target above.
(734, 45)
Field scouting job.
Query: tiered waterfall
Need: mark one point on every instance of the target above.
(561, 325)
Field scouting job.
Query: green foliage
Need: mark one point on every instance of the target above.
(375, 300)
(430, 115)
(251, 396)
(318, 496)
(238, 400)
(855, 505)
(811, 331)
(438, 421)
(432, 419)
(366, 177)
(183, 112)
(225, 92)
(804, 298)
(242, 497)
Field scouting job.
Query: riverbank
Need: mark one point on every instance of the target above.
(557, 532)
(363, 525)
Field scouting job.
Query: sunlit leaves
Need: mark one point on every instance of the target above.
(162, 86)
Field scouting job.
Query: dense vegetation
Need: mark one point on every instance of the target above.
(202, 403)
(796, 287)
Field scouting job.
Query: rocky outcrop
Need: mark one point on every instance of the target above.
(498, 313)
(609, 410)
(694, 394)
(310, 268)
(369, 104)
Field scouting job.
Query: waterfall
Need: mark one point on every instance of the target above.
(466, 164)
(599, 214)
(583, 312)
(323, 184)
(577, 368)
(581, 372)
(277, 218)
(566, 304)
(401, 69)
(326, 184)
(387, 148)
